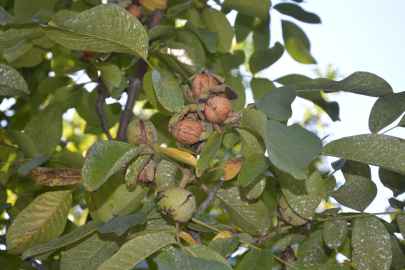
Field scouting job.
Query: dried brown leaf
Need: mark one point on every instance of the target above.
(55, 176)
(231, 168)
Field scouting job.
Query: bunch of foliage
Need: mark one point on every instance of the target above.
(254, 183)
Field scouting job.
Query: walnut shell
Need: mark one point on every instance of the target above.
(189, 131)
(202, 81)
(216, 109)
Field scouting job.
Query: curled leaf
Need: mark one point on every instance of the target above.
(177, 154)
(190, 240)
(231, 168)
(55, 176)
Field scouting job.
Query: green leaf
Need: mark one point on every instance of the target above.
(208, 38)
(63, 16)
(164, 175)
(173, 259)
(335, 232)
(260, 86)
(136, 250)
(255, 188)
(208, 153)
(50, 84)
(313, 266)
(398, 256)
(102, 29)
(318, 98)
(41, 221)
(251, 142)
(127, 199)
(230, 137)
(276, 104)
(135, 167)
(297, 43)
(32, 164)
(24, 54)
(252, 167)
(351, 168)
(207, 253)
(159, 30)
(401, 223)
(291, 148)
(120, 224)
(29, 8)
(252, 218)
(98, 204)
(297, 12)
(110, 75)
(259, 8)
(77, 235)
(261, 34)
(151, 94)
(393, 181)
(371, 244)
(255, 120)
(168, 92)
(195, 46)
(329, 186)
(363, 83)
(225, 246)
(11, 82)
(313, 249)
(231, 61)
(374, 149)
(45, 128)
(217, 22)
(4, 16)
(14, 34)
(396, 204)
(386, 110)
(105, 158)
(92, 252)
(303, 196)
(263, 58)
(292, 79)
(243, 26)
(261, 259)
(24, 142)
(182, 54)
(357, 194)
(293, 236)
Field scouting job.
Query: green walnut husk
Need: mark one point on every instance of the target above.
(142, 131)
(176, 203)
(285, 213)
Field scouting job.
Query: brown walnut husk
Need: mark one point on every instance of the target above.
(189, 131)
(147, 175)
(217, 109)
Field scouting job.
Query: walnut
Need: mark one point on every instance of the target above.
(189, 131)
(203, 80)
(135, 11)
(217, 109)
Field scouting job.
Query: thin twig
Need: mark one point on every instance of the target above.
(267, 236)
(100, 101)
(210, 198)
(31, 261)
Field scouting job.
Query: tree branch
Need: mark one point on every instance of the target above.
(210, 199)
(31, 261)
(135, 83)
(101, 98)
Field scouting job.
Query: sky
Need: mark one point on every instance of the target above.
(354, 36)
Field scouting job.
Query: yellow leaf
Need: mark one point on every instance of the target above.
(41, 221)
(180, 155)
(187, 238)
(153, 4)
(56, 176)
(224, 234)
(231, 168)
